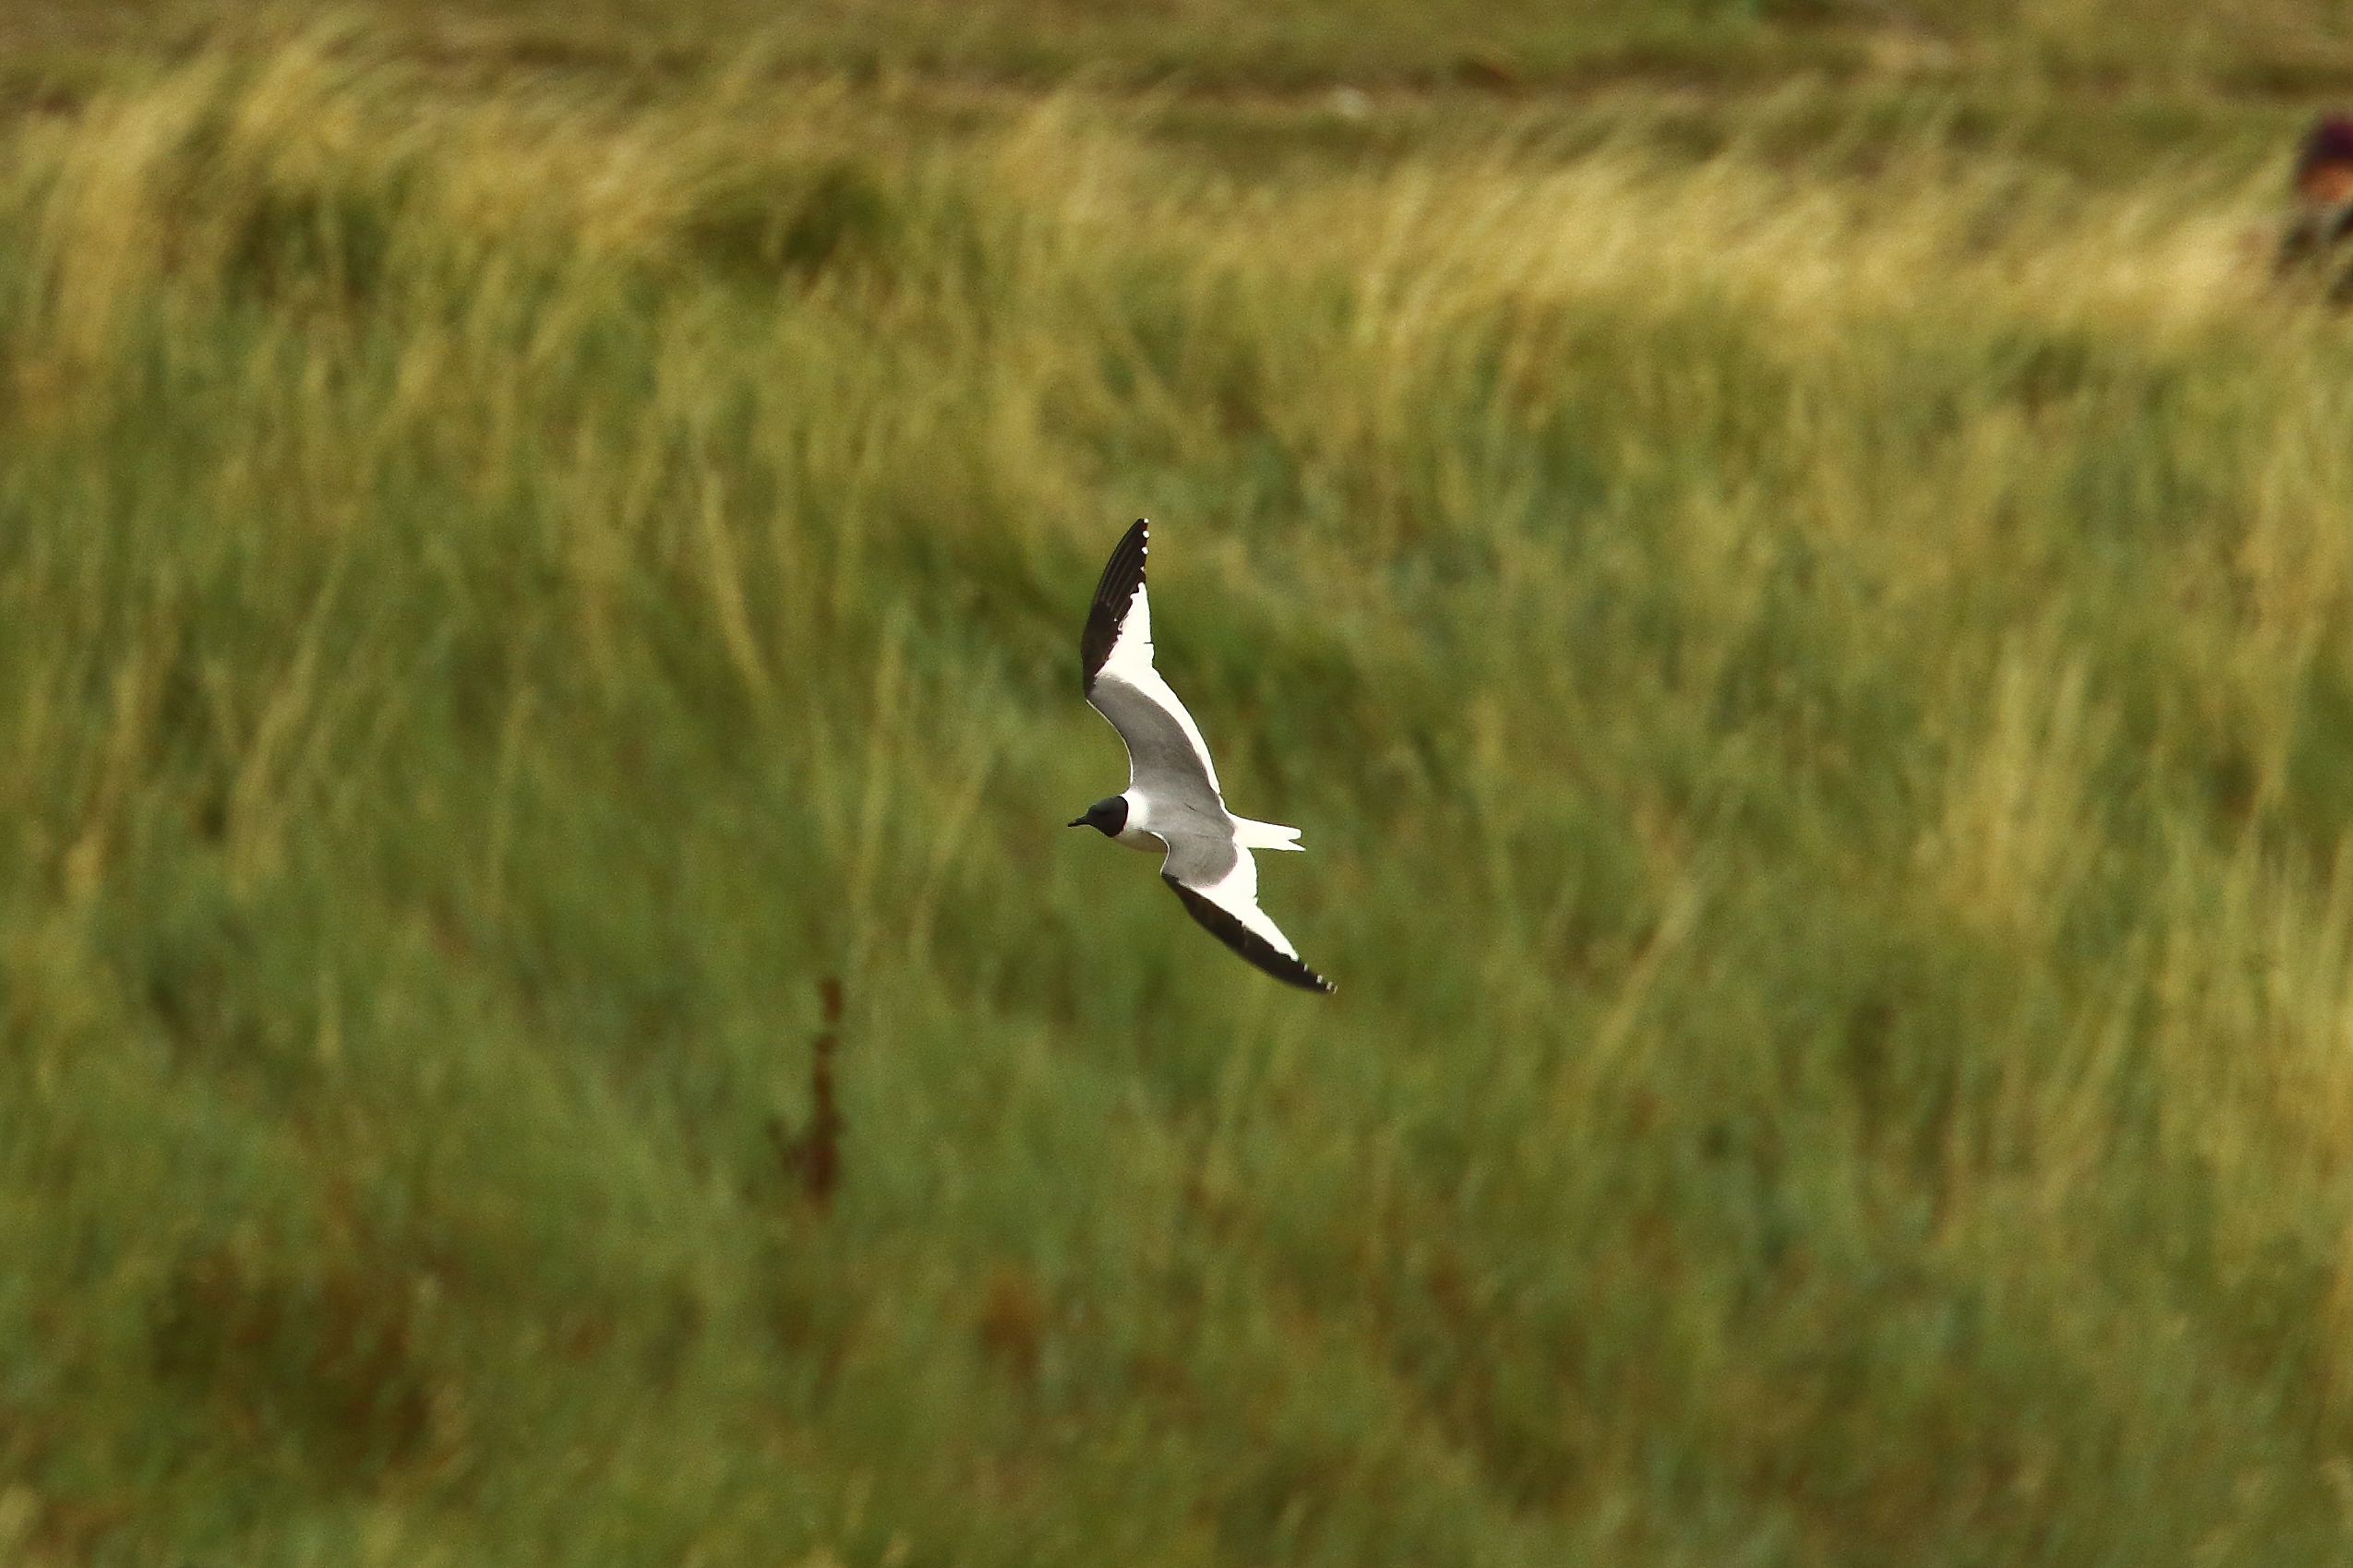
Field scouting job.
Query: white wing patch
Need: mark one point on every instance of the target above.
(1237, 894)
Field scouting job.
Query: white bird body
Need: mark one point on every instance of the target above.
(1247, 833)
(1173, 803)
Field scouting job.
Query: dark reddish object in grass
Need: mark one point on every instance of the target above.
(815, 1156)
(2329, 141)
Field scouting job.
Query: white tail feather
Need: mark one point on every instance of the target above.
(1264, 835)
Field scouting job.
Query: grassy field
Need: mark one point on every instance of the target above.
(1807, 631)
(2265, 48)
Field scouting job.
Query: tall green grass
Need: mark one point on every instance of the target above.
(2166, 49)
(1818, 700)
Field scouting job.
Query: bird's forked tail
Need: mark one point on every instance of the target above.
(1264, 835)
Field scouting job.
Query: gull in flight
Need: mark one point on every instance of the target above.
(1171, 803)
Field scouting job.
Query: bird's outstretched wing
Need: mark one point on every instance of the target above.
(1120, 585)
(1166, 755)
(1229, 909)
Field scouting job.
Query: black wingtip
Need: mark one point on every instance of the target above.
(1247, 942)
(1114, 591)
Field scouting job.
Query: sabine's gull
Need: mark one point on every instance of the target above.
(1171, 802)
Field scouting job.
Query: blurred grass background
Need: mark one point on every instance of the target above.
(1797, 590)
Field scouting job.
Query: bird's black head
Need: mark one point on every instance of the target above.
(1109, 817)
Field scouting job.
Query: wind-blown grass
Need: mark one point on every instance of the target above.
(1818, 699)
